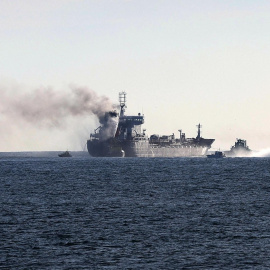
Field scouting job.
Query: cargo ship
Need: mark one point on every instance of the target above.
(121, 135)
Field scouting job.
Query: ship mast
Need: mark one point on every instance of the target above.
(180, 130)
(122, 101)
(199, 131)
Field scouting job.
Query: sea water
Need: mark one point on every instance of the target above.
(133, 213)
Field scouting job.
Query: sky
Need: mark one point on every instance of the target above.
(181, 63)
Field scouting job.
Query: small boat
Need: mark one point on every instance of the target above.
(65, 154)
(218, 154)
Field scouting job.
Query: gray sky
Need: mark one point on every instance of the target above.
(180, 62)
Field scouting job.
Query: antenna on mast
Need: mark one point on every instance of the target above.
(199, 131)
(122, 102)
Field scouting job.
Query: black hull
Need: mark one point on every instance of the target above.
(104, 149)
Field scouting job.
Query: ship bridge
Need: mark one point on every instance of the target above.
(128, 126)
(131, 121)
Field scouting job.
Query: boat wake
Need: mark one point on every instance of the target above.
(262, 153)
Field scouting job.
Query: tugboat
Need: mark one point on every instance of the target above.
(121, 135)
(65, 154)
(239, 149)
(217, 154)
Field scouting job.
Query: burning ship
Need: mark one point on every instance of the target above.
(121, 135)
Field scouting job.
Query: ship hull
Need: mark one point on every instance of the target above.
(144, 149)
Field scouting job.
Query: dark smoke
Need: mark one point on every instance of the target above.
(49, 108)
(109, 125)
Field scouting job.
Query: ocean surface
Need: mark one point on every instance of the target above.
(133, 213)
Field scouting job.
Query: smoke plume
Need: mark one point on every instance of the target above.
(46, 107)
(109, 125)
